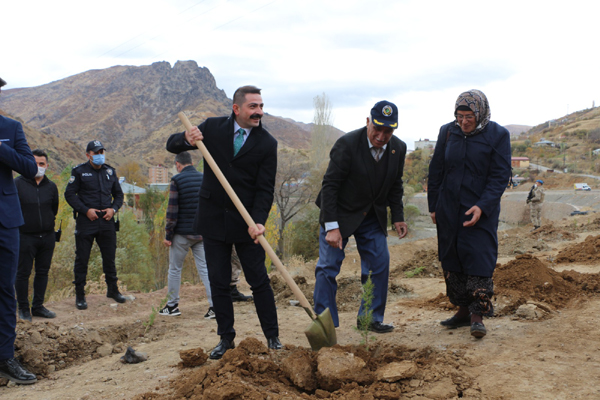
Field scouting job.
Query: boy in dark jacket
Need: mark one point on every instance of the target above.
(39, 202)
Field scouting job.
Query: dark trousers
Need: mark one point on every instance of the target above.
(107, 241)
(39, 248)
(9, 257)
(371, 243)
(252, 257)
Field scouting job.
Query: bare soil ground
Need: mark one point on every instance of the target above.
(544, 342)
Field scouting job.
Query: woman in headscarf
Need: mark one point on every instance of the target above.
(468, 173)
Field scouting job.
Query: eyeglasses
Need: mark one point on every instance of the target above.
(467, 117)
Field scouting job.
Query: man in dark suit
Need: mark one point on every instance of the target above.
(363, 178)
(15, 155)
(247, 155)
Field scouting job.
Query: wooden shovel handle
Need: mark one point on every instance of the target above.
(240, 207)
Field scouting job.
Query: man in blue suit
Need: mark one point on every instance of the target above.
(15, 155)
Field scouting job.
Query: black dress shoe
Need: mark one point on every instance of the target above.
(453, 322)
(12, 369)
(42, 312)
(478, 330)
(80, 303)
(380, 327)
(221, 348)
(236, 295)
(274, 343)
(113, 293)
(25, 315)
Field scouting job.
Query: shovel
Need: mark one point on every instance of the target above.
(321, 332)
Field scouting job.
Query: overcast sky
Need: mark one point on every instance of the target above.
(535, 60)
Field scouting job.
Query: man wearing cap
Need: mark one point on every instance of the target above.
(95, 194)
(363, 178)
(15, 155)
(535, 200)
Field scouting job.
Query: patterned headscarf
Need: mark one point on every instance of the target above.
(478, 103)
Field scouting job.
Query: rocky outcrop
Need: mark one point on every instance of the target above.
(132, 110)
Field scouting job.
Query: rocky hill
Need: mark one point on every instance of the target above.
(132, 110)
(61, 152)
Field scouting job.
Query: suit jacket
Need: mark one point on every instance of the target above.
(15, 155)
(347, 194)
(251, 174)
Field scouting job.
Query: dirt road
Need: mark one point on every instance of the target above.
(544, 342)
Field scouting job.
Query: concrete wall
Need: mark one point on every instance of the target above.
(514, 210)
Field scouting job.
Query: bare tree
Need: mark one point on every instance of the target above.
(293, 191)
(321, 140)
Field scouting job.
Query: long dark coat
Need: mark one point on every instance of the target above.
(251, 174)
(467, 171)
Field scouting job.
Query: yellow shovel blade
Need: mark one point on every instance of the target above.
(321, 332)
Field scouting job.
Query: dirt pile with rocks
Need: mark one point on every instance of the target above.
(424, 263)
(586, 252)
(47, 347)
(251, 372)
(515, 241)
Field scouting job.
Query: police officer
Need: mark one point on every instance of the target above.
(95, 194)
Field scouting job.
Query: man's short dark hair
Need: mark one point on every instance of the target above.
(184, 158)
(240, 94)
(40, 153)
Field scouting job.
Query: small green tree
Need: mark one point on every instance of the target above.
(365, 320)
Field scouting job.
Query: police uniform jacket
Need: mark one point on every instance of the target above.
(93, 188)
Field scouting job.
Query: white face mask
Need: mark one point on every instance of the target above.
(41, 172)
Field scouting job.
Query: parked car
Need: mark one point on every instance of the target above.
(579, 213)
(582, 186)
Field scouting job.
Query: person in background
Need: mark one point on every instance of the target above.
(39, 202)
(467, 177)
(15, 155)
(363, 179)
(236, 271)
(95, 194)
(535, 199)
(246, 153)
(180, 235)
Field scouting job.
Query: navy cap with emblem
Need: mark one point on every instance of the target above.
(385, 113)
(94, 146)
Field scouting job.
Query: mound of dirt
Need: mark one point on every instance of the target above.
(282, 290)
(514, 241)
(343, 372)
(424, 263)
(586, 252)
(46, 347)
(526, 278)
(553, 234)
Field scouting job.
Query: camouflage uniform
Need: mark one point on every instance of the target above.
(535, 206)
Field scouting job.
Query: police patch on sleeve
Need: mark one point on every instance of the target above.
(387, 111)
(71, 179)
(110, 171)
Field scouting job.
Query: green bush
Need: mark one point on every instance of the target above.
(411, 213)
(304, 236)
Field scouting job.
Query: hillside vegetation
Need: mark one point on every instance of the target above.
(575, 136)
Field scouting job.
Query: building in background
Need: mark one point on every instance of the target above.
(158, 174)
(425, 144)
(519, 162)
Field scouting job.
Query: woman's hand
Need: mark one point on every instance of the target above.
(476, 211)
